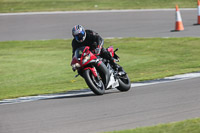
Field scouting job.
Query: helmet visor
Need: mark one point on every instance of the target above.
(80, 36)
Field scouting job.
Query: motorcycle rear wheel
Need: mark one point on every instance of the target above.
(93, 83)
(124, 83)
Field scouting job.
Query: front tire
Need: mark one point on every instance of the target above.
(93, 83)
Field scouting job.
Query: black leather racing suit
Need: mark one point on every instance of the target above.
(95, 42)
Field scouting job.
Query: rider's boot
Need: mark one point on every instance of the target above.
(116, 67)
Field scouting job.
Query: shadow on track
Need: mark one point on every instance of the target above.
(70, 94)
(80, 94)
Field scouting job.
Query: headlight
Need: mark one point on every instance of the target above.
(87, 58)
(75, 66)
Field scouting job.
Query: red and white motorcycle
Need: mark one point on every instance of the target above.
(98, 72)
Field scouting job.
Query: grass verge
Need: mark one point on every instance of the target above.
(41, 67)
(7, 6)
(187, 126)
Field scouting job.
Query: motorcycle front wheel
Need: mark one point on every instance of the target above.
(94, 83)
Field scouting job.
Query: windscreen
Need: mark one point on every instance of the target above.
(79, 52)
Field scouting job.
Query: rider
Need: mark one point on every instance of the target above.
(92, 39)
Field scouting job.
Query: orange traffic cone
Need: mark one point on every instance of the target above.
(179, 24)
(198, 19)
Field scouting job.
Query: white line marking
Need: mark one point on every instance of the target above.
(87, 91)
(91, 11)
(168, 79)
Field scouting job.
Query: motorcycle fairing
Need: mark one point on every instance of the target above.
(74, 60)
(110, 49)
(113, 82)
(85, 53)
(93, 70)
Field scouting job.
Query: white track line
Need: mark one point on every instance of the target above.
(87, 91)
(91, 11)
(168, 79)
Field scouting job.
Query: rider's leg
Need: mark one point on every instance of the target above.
(105, 54)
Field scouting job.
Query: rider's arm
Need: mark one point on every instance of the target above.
(74, 47)
(99, 42)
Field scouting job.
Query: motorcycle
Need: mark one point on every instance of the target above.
(98, 72)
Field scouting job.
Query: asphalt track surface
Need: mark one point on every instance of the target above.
(141, 106)
(128, 23)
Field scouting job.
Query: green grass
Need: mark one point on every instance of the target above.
(187, 126)
(41, 67)
(68, 5)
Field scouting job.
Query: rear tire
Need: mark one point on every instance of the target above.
(124, 83)
(93, 83)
